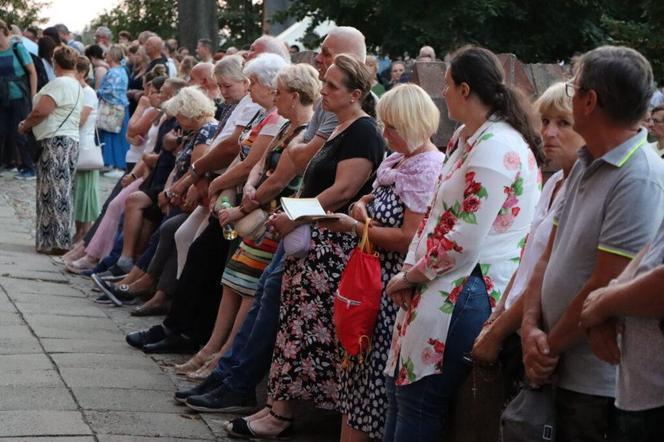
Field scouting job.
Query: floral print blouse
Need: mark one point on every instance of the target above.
(481, 213)
(113, 87)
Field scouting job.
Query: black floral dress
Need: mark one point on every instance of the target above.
(306, 356)
(305, 359)
(362, 393)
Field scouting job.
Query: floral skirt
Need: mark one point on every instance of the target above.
(55, 193)
(306, 356)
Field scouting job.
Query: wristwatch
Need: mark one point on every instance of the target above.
(192, 170)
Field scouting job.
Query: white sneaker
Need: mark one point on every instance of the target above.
(115, 173)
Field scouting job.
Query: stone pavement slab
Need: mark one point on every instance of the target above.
(50, 326)
(24, 362)
(148, 424)
(15, 285)
(128, 378)
(54, 439)
(42, 422)
(31, 303)
(134, 360)
(29, 397)
(53, 345)
(31, 378)
(113, 399)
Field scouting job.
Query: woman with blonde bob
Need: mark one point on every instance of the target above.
(401, 194)
(560, 144)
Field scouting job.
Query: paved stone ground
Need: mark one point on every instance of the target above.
(66, 373)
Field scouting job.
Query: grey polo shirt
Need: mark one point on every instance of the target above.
(613, 204)
(641, 369)
(322, 123)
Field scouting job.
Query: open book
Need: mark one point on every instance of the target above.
(305, 209)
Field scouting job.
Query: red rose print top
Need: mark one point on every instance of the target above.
(481, 213)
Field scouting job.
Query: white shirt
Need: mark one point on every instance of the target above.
(68, 96)
(87, 131)
(538, 237)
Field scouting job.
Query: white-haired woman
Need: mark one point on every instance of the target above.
(113, 91)
(401, 194)
(254, 141)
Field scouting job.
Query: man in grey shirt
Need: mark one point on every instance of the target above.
(612, 207)
(637, 296)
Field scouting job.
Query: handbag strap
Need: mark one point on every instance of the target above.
(365, 244)
(71, 111)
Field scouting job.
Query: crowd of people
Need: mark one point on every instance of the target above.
(479, 264)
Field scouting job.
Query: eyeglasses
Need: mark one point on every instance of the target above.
(570, 89)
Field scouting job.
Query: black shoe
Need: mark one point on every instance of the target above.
(213, 381)
(172, 343)
(103, 299)
(139, 339)
(222, 400)
(107, 289)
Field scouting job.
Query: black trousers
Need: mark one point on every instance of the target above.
(198, 291)
(11, 141)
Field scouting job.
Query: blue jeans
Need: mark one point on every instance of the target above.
(415, 411)
(246, 363)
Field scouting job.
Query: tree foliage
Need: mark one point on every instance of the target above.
(22, 13)
(135, 16)
(534, 30)
(239, 20)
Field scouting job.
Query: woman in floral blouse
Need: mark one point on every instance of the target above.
(466, 248)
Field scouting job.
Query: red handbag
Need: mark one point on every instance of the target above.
(357, 301)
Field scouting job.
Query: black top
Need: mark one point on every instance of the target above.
(359, 140)
(159, 174)
(156, 61)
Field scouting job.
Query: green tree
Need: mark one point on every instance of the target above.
(23, 13)
(239, 20)
(534, 30)
(135, 16)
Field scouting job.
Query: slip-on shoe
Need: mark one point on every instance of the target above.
(172, 343)
(141, 338)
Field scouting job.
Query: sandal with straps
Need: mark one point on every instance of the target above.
(241, 428)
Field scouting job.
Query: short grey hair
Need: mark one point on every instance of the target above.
(230, 67)
(352, 40)
(621, 77)
(275, 46)
(265, 68)
(103, 31)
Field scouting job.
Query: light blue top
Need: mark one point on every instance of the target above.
(113, 87)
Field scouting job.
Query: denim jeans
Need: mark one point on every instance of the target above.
(415, 411)
(246, 363)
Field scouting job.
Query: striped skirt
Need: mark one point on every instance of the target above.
(246, 266)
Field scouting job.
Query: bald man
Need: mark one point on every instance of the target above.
(153, 49)
(267, 44)
(202, 76)
(341, 40)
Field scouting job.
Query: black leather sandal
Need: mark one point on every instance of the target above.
(240, 428)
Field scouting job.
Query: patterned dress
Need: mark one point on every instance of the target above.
(55, 193)
(305, 358)
(362, 393)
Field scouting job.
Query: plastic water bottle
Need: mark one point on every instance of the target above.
(229, 230)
